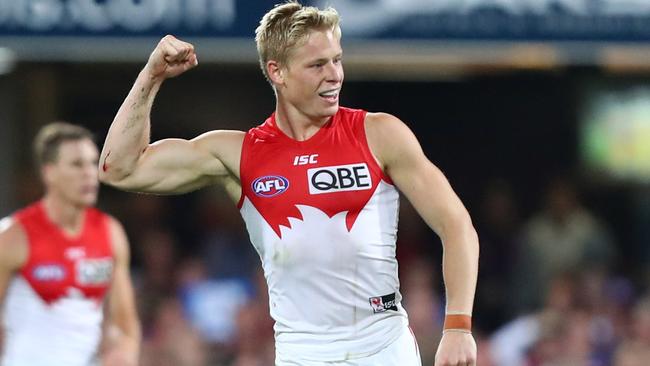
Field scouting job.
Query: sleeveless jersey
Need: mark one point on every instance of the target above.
(53, 307)
(323, 217)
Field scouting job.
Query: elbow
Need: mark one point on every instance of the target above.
(103, 176)
(106, 177)
(468, 231)
(112, 170)
(459, 228)
(473, 239)
(112, 176)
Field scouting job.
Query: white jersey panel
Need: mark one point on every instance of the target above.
(65, 333)
(322, 278)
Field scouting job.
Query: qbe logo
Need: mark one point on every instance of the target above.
(340, 178)
(94, 271)
(270, 185)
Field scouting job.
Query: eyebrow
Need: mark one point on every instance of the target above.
(325, 59)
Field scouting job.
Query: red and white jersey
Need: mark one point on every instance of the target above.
(323, 218)
(53, 307)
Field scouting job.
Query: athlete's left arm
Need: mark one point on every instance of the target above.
(13, 255)
(400, 155)
(123, 326)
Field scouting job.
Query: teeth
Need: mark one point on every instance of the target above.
(328, 94)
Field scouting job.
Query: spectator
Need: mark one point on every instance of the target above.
(562, 237)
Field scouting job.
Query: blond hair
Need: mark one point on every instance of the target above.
(287, 25)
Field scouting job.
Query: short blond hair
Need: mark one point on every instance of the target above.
(285, 26)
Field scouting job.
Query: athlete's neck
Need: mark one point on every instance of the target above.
(298, 125)
(67, 216)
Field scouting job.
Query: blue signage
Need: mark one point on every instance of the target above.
(600, 20)
(496, 19)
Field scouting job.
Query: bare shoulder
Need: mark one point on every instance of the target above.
(224, 145)
(384, 128)
(13, 244)
(382, 121)
(119, 239)
(114, 224)
(216, 139)
(388, 136)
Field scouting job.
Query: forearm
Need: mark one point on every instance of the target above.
(129, 133)
(123, 344)
(129, 345)
(460, 268)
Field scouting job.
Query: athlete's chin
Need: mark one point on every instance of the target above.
(329, 111)
(86, 200)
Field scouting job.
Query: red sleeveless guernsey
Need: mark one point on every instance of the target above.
(54, 305)
(323, 217)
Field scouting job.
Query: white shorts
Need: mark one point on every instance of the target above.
(403, 352)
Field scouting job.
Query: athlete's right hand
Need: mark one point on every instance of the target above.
(170, 58)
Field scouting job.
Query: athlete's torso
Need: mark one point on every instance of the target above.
(323, 217)
(53, 307)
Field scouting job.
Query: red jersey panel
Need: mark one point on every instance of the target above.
(58, 262)
(334, 163)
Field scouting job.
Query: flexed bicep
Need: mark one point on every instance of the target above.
(173, 166)
(127, 159)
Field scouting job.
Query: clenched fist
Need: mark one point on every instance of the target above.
(170, 58)
(456, 349)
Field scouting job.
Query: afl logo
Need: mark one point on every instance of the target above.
(270, 185)
(49, 272)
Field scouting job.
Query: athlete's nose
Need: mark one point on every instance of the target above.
(90, 170)
(334, 71)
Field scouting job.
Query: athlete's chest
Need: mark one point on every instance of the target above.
(333, 174)
(59, 268)
(310, 173)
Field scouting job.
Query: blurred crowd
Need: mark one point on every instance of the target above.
(551, 287)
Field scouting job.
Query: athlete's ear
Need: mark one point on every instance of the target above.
(275, 72)
(47, 173)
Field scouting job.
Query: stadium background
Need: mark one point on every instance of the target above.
(537, 111)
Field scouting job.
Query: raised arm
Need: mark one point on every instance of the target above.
(128, 161)
(123, 328)
(400, 155)
(13, 254)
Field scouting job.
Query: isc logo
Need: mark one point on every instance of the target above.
(305, 159)
(270, 185)
(328, 179)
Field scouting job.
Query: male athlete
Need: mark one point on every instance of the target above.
(317, 185)
(60, 259)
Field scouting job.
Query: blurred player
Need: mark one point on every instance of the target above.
(60, 259)
(317, 186)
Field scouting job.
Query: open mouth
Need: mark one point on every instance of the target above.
(89, 190)
(330, 95)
